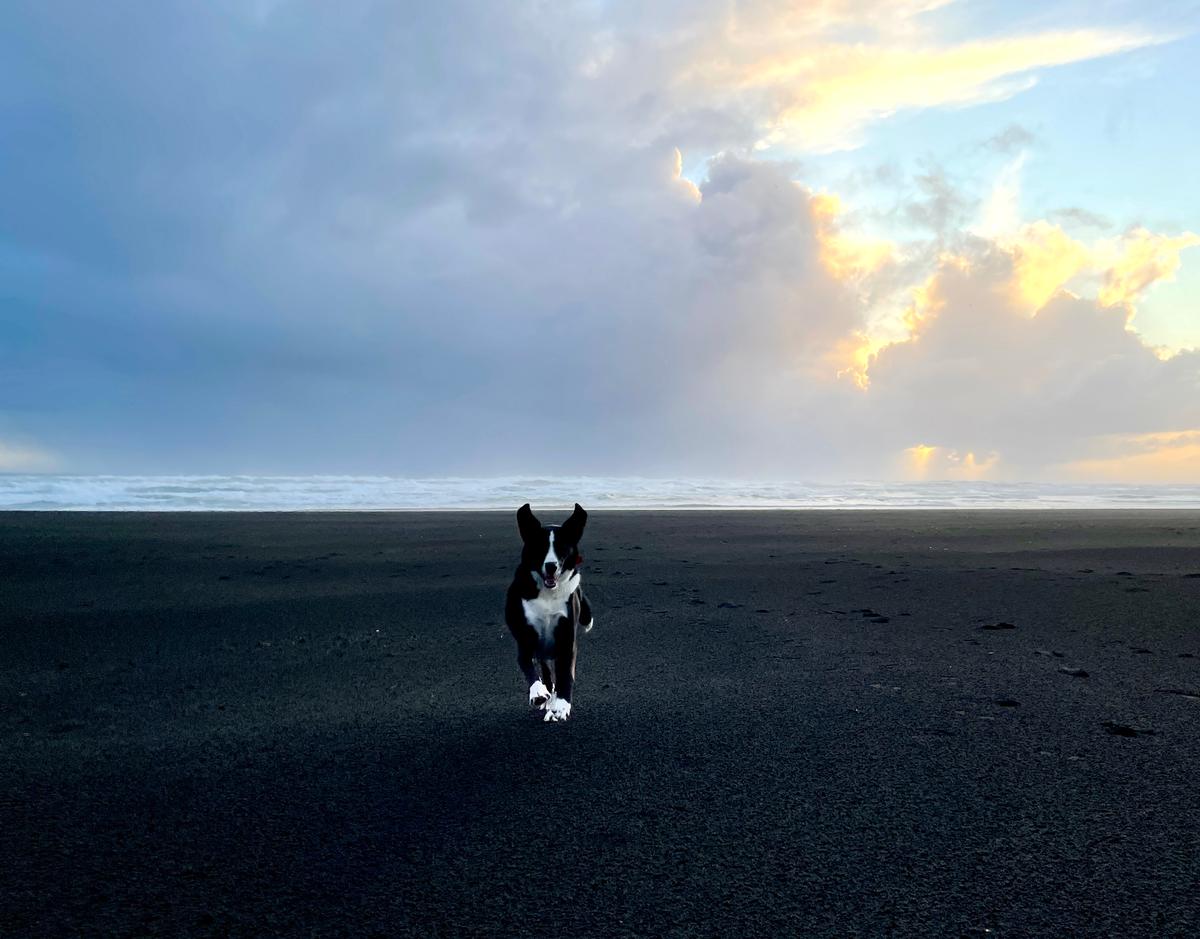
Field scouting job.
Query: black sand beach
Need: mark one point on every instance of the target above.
(786, 723)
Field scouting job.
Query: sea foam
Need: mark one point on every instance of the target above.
(360, 493)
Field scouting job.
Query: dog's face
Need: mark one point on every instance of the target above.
(550, 552)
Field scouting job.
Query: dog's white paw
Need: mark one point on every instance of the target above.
(557, 709)
(539, 694)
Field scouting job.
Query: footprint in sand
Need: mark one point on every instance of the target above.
(1124, 730)
(1193, 695)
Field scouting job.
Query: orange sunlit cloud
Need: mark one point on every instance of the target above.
(1044, 258)
(1149, 458)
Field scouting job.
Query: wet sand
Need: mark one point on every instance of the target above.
(796, 722)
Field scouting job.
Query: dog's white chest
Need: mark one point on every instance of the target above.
(545, 610)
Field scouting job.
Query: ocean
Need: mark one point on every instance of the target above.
(362, 493)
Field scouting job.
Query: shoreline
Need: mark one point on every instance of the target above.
(613, 510)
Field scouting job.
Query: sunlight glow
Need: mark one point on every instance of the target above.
(924, 462)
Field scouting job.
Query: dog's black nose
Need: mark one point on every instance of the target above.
(551, 568)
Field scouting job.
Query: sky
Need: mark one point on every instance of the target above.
(844, 239)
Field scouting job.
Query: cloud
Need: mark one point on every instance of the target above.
(817, 93)
(981, 375)
(1002, 208)
(943, 206)
(1172, 457)
(1010, 140)
(1138, 260)
(470, 247)
(1076, 216)
(17, 458)
(1118, 271)
(1046, 259)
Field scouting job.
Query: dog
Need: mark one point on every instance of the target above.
(545, 607)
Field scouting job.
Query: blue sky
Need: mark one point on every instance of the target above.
(843, 239)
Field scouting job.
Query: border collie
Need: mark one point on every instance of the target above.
(545, 607)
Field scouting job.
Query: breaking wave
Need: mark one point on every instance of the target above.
(361, 493)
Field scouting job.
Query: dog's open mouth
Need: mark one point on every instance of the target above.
(551, 581)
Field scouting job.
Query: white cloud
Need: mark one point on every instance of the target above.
(814, 91)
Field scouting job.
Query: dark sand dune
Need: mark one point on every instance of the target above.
(799, 723)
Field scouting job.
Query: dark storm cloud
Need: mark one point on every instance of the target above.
(374, 237)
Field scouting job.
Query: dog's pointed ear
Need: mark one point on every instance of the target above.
(527, 523)
(573, 527)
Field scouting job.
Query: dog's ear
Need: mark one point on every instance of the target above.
(527, 523)
(572, 528)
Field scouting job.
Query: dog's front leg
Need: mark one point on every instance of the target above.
(538, 692)
(558, 708)
(586, 619)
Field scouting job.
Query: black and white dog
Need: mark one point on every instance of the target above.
(545, 608)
